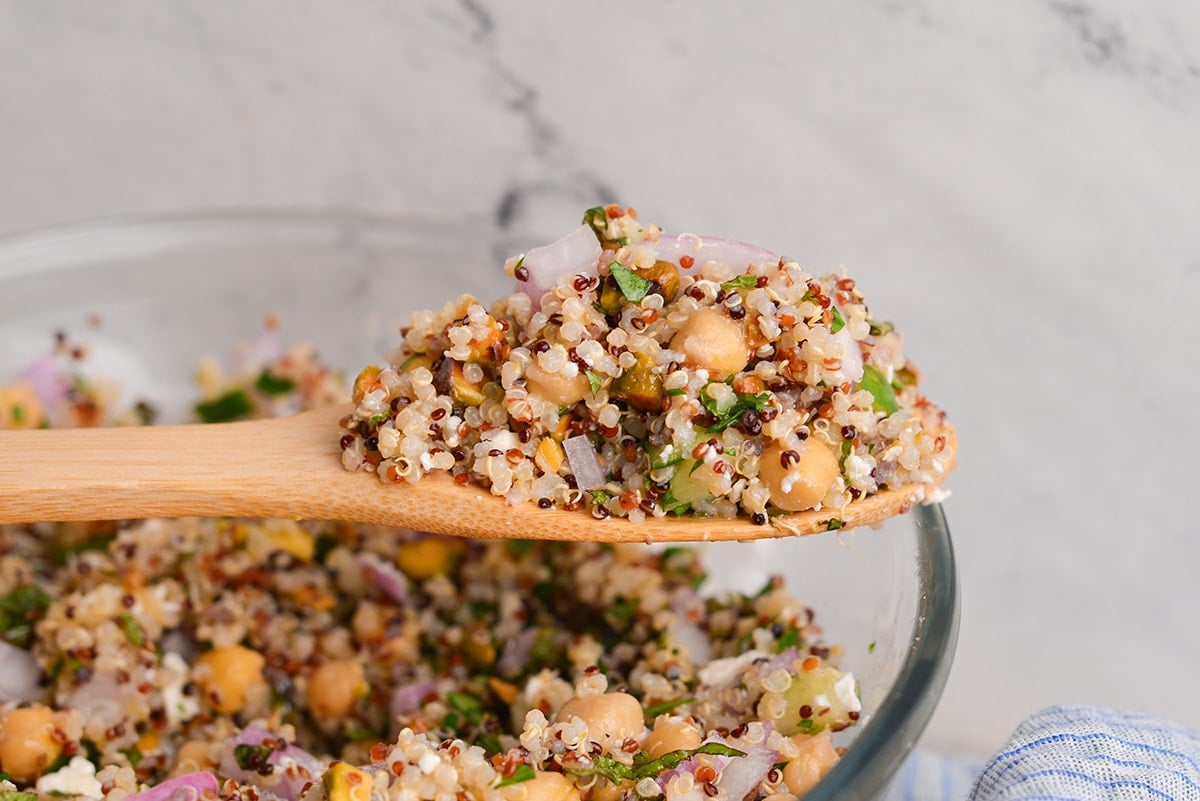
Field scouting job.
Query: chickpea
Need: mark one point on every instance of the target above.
(613, 716)
(556, 387)
(368, 623)
(192, 756)
(544, 786)
(334, 687)
(808, 767)
(803, 483)
(428, 557)
(231, 677)
(711, 341)
(607, 791)
(671, 734)
(20, 407)
(29, 742)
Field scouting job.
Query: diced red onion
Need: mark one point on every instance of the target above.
(294, 768)
(259, 352)
(515, 654)
(686, 633)
(103, 698)
(576, 253)
(408, 699)
(585, 463)
(743, 774)
(19, 674)
(783, 660)
(188, 787)
(48, 379)
(852, 363)
(688, 766)
(386, 577)
(738, 255)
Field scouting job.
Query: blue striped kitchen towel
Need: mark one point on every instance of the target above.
(1086, 753)
(1066, 753)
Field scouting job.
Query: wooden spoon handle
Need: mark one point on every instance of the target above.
(261, 468)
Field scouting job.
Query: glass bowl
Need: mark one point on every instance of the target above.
(152, 295)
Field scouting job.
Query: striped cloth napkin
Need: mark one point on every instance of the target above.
(1070, 752)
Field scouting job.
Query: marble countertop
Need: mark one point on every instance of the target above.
(1019, 179)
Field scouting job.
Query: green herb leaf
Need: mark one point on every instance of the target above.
(254, 757)
(874, 382)
(654, 710)
(744, 402)
(673, 759)
(594, 382)
(522, 773)
(789, 639)
(233, 405)
(838, 321)
(871, 647)
(833, 524)
(741, 282)
(18, 413)
(676, 391)
(133, 755)
(269, 384)
(133, 630)
(596, 217)
(17, 795)
(20, 609)
(470, 706)
(632, 285)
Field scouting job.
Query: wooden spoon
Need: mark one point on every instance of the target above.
(290, 467)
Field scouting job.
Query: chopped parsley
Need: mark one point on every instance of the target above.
(522, 773)
(838, 321)
(470, 706)
(233, 405)
(270, 384)
(617, 772)
(254, 757)
(789, 639)
(594, 382)
(632, 285)
(874, 382)
(20, 609)
(133, 630)
(741, 282)
(654, 710)
(745, 402)
(17, 795)
(833, 524)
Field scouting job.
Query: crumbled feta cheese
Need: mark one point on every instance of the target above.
(721, 672)
(76, 778)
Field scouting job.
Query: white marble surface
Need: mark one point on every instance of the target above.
(1017, 183)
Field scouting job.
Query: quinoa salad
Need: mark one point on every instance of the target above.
(632, 373)
(164, 660)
